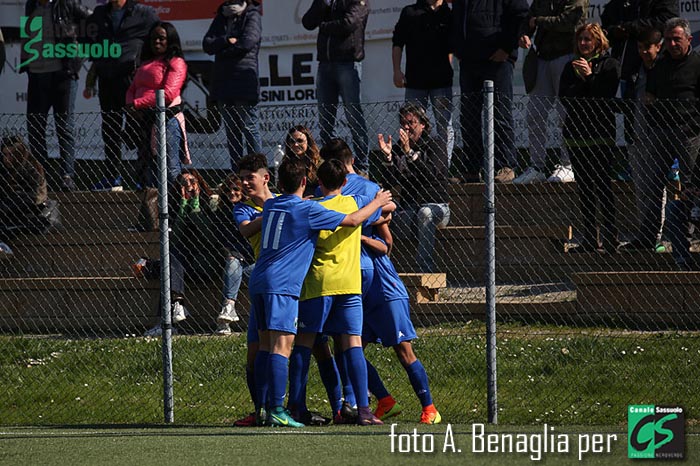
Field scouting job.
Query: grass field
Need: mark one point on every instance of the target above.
(557, 375)
(323, 446)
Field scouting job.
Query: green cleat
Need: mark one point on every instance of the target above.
(280, 417)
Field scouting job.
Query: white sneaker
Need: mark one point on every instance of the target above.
(5, 249)
(531, 175)
(222, 329)
(179, 312)
(228, 313)
(562, 174)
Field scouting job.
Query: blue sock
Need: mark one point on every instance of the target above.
(250, 380)
(278, 371)
(357, 371)
(261, 382)
(419, 382)
(374, 382)
(298, 376)
(331, 380)
(345, 380)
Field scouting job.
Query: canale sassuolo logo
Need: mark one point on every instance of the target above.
(32, 29)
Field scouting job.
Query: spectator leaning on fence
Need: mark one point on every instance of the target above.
(423, 30)
(52, 82)
(673, 90)
(588, 85)
(418, 166)
(552, 26)
(485, 39)
(162, 67)
(234, 39)
(299, 143)
(126, 23)
(341, 49)
(23, 189)
(642, 158)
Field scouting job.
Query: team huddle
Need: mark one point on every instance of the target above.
(323, 270)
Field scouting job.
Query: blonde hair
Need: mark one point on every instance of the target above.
(596, 31)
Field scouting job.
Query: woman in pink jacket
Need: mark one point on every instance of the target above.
(162, 67)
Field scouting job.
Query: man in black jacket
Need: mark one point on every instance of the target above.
(424, 30)
(485, 39)
(341, 49)
(673, 92)
(126, 23)
(52, 82)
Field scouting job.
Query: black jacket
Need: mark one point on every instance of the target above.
(634, 16)
(424, 180)
(136, 24)
(67, 16)
(483, 26)
(676, 86)
(341, 29)
(425, 33)
(590, 113)
(235, 77)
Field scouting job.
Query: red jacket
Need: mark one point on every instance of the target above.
(157, 74)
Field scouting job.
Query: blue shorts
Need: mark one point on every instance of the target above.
(276, 312)
(367, 279)
(388, 324)
(335, 315)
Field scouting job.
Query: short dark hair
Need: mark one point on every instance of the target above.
(332, 174)
(253, 162)
(337, 149)
(418, 111)
(290, 174)
(650, 35)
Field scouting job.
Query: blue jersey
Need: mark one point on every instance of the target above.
(357, 185)
(387, 284)
(289, 232)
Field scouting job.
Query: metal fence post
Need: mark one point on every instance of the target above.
(166, 323)
(490, 223)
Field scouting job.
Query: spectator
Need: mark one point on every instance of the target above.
(624, 20)
(589, 132)
(485, 39)
(234, 39)
(193, 246)
(419, 167)
(127, 23)
(23, 191)
(300, 144)
(673, 89)
(641, 157)
(162, 67)
(553, 26)
(239, 256)
(424, 30)
(341, 49)
(52, 82)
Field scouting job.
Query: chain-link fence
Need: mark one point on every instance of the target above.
(594, 310)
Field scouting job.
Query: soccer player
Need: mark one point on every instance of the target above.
(255, 179)
(338, 149)
(331, 296)
(387, 320)
(289, 231)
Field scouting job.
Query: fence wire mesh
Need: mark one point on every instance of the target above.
(592, 309)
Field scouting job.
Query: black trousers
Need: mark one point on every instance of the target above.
(112, 95)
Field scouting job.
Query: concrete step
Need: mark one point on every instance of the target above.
(98, 211)
(644, 299)
(534, 204)
(524, 254)
(74, 253)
